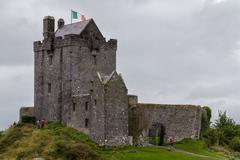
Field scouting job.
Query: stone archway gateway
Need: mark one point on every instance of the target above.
(156, 134)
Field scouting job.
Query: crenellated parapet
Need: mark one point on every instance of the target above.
(58, 42)
(110, 45)
(37, 46)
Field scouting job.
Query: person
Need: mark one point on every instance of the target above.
(43, 123)
(171, 141)
(38, 124)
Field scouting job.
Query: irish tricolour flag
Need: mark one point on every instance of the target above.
(76, 15)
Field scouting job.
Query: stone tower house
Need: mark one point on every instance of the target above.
(76, 82)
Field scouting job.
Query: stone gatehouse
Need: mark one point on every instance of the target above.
(76, 83)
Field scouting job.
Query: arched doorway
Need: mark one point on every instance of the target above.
(156, 134)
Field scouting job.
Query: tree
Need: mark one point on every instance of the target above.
(206, 117)
(223, 121)
(226, 127)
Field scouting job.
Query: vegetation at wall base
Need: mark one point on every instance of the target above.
(55, 141)
(223, 132)
(26, 141)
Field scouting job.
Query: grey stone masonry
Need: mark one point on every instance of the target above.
(179, 121)
(68, 85)
(76, 83)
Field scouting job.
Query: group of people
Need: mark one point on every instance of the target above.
(41, 123)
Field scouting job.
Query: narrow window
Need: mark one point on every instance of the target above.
(95, 102)
(91, 86)
(74, 107)
(50, 59)
(91, 83)
(86, 106)
(86, 123)
(94, 59)
(49, 88)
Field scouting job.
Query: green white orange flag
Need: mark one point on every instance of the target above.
(76, 15)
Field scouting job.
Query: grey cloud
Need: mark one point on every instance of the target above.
(169, 51)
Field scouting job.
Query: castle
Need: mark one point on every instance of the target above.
(76, 83)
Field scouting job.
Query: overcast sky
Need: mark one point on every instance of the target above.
(169, 51)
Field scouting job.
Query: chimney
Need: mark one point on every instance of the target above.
(48, 27)
(60, 23)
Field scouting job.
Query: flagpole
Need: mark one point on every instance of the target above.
(71, 16)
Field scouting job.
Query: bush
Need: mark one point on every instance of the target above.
(235, 144)
(75, 151)
(11, 136)
(211, 137)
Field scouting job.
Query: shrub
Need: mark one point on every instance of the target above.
(11, 136)
(75, 151)
(235, 144)
(211, 137)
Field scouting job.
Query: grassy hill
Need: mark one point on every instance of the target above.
(55, 141)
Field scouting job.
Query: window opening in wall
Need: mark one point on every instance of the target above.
(49, 88)
(74, 107)
(86, 123)
(50, 58)
(97, 49)
(91, 86)
(86, 106)
(94, 59)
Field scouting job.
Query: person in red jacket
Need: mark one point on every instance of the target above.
(43, 122)
(171, 142)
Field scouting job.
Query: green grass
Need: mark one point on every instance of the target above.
(53, 142)
(198, 147)
(149, 153)
(57, 142)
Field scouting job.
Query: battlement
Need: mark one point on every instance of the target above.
(111, 44)
(71, 40)
(166, 106)
(68, 40)
(37, 46)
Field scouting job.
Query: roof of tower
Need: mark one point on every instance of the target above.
(74, 28)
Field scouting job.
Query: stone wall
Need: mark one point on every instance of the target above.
(26, 111)
(179, 121)
(116, 112)
(97, 129)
